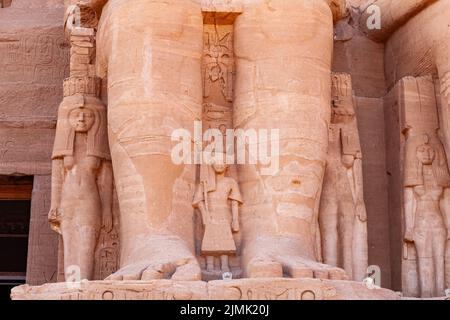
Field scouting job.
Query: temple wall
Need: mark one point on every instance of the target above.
(33, 64)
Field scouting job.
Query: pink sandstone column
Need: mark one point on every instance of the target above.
(283, 56)
(150, 52)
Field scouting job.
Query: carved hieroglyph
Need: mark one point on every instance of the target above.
(343, 218)
(218, 75)
(241, 289)
(426, 191)
(218, 64)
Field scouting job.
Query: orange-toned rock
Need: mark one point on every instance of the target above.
(218, 149)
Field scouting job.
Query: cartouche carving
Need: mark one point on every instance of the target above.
(218, 62)
(343, 218)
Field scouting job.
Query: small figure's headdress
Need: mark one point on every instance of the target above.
(207, 173)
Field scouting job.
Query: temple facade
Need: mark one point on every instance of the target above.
(350, 186)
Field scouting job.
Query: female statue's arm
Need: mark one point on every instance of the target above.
(445, 209)
(359, 189)
(352, 160)
(105, 188)
(54, 216)
(235, 215)
(409, 205)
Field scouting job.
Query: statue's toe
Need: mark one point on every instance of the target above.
(190, 271)
(264, 268)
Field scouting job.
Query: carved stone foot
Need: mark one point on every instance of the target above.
(184, 270)
(282, 257)
(269, 267)
(162, 257)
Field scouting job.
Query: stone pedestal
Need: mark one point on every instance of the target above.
(242, 289)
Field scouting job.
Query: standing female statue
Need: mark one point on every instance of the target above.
(81, 181)
(343, 217)
(426, 215)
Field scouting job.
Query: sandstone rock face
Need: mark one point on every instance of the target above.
(34, 60)
(232, 149)
(245, 289)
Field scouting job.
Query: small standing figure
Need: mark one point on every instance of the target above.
(82, 184)
(342, 216)
(218, 199)
(427, 215)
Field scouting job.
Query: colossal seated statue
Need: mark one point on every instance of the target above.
(149, 54)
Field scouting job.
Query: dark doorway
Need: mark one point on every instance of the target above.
(5, 3)
(15, 206)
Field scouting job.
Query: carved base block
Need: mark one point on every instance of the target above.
(242, 289)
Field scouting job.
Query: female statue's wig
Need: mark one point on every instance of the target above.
(97, 135)
(413, 172)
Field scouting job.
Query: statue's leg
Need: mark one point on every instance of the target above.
(439, 246)
(425, 263)
(346, 223)
(283, 51)
(328, 221)
(224, 263)
(152, 52)
(70, 256)
(88, 240)
(210, 263)
(81, 259)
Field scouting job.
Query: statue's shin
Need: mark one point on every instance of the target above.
(283, 60)
(153, 55)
